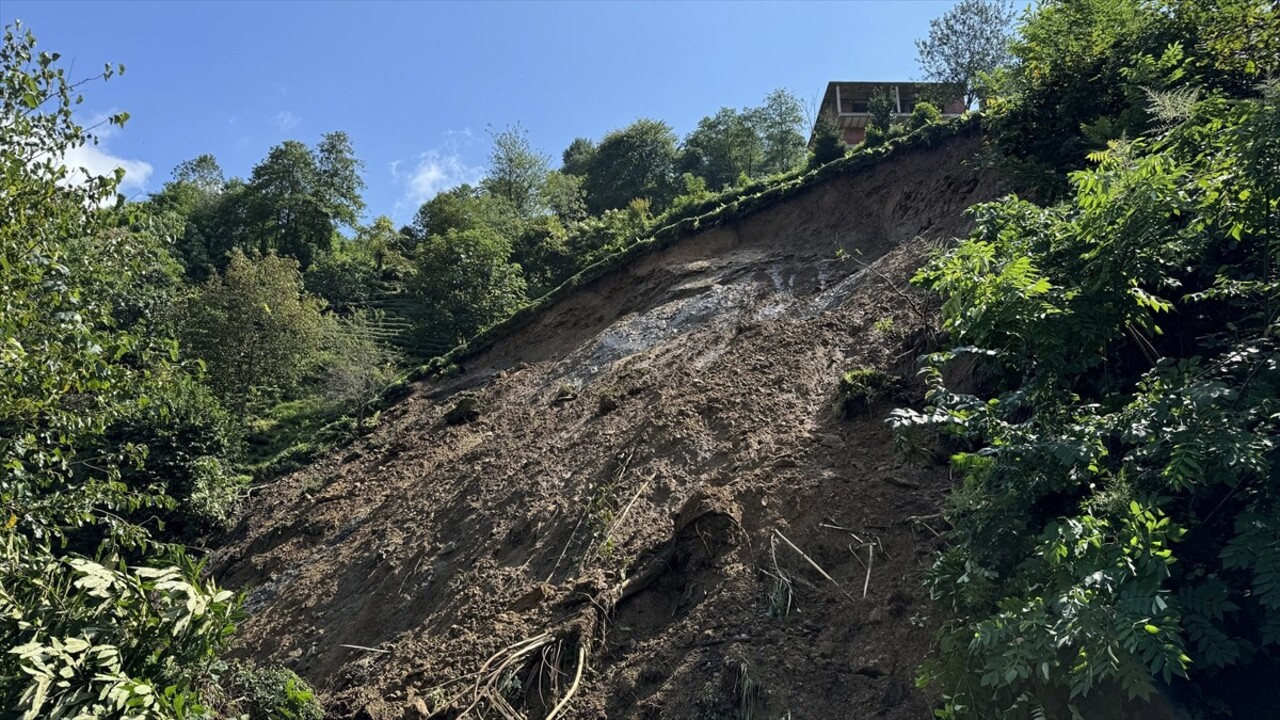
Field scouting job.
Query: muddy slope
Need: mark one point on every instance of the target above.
(653, 468)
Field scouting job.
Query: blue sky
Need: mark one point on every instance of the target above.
(417, 84)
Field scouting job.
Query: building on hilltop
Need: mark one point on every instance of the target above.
(847, 104)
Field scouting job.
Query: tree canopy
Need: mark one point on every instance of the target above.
(967, 41)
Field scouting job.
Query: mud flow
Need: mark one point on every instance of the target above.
(655, 506)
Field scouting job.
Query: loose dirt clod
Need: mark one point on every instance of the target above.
(576, 560)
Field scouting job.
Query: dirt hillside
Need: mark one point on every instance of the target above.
(634, 491)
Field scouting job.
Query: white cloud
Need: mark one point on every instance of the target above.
(97, 160)
(286, 121)
(433, 173)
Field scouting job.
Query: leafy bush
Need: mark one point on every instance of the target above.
(100, 639)
(1083, 69)
(87, 635)
(924, 113)
(1118, 529)
(270, 693)
(353, 365)
(188, 439)
(862, 387)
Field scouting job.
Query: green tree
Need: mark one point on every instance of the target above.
(753, 142)
(779, 121)
(464, 283)
(86, 633)
(565, 197)
(723, 147)
(339, 185)
(882, 107)
(576, 158)
(285, 208)
(637, 161)
(969, 40)
(346, 278)
(256, 329)
(543, 254)
(195, 184)
(193, 198)
(517, 173)
(294, 203)
(465, 207)
(828, 145)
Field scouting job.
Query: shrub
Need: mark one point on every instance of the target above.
(465, 410)
(270, 692)
(862, 387)
(925, 113)
(188, 438)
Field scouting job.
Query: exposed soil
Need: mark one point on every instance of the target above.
(643, 458)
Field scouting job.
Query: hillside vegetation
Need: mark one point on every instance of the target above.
(619, 438)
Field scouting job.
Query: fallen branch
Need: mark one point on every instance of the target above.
(915, 307)
(815, 565)
(852, 534)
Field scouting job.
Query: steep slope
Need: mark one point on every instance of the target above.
(652, 469)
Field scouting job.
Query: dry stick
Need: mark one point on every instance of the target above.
(856, 557)
(366, 649)
(447, 683)
(492, 691)
(617, 524)
(893, 286)
(883, 552)
(815, 565)
(627, 509)
(920, 520)
(852, 534)
(577, 677)
(782, 578)
(572, 535)
(871, 557)
(411, 572)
